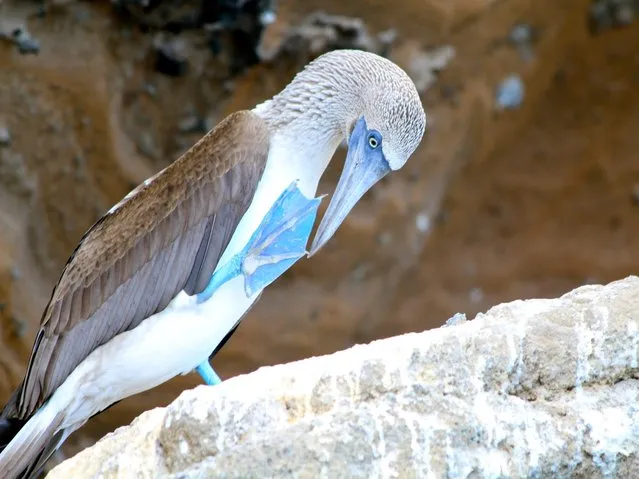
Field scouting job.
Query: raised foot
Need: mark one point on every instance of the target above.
(207, 373)
(280, 240)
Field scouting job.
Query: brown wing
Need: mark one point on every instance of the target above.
(167, 235)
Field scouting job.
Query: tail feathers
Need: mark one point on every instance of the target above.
(35, 469)
(29, 444)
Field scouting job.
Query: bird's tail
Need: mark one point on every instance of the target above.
(25, 446)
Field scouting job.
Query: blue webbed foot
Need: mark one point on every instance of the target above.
(207, 373)
(280, 240)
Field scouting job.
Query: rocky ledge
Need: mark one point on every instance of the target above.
(535, 388)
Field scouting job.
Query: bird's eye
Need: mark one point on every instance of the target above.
(372, 142)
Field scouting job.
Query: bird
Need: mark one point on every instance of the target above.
(161, 281)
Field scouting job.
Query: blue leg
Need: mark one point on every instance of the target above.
(227, 272)
(209, 376)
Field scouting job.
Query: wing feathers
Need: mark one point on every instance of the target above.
(195, 279)
(166, 236)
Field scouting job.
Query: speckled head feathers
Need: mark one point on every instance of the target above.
(338, 87)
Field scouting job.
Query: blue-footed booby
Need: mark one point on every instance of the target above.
(160, 282)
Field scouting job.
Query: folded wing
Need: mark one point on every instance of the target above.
(166, 236)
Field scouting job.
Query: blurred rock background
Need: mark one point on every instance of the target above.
(526, 185)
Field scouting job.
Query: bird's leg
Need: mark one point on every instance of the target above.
(227, 272)
(280, 240)
(207, 373)
(277, 243)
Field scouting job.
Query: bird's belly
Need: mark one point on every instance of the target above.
(169, 343)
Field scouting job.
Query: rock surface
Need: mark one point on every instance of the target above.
(535, 388)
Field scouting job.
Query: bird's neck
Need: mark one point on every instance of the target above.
(301, 157)
(307, 120)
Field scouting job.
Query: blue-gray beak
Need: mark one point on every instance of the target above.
(365, 165)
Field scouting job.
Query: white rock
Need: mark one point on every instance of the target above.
(536, 388)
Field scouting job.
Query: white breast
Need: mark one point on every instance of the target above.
(171, 342)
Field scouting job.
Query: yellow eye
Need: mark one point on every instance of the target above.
(372, 142)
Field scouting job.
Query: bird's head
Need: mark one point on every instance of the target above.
(383, 130)
(364, 99)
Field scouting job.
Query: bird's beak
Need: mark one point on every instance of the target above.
(363, 168)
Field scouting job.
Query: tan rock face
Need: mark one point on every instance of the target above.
(492, 207)
(536, 388)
